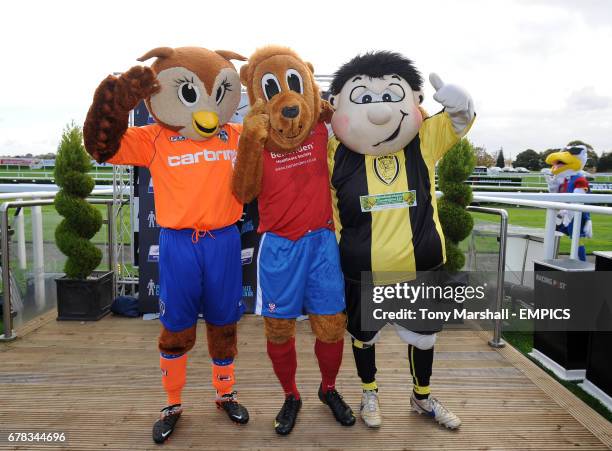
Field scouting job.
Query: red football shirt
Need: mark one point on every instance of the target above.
(295, 197)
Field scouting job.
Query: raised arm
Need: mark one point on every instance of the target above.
(246, 182)
(107, 118)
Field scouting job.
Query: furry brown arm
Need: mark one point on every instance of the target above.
(327, 111)
(107, 118)
(246, 182)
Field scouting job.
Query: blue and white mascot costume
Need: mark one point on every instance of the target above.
(567, 176)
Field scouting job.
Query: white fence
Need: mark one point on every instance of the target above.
(553, 202)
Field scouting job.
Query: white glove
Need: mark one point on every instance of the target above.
(588, 229)
(564, 217)
(456, 102)
(553, 182)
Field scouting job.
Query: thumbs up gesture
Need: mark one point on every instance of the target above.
(456, 102)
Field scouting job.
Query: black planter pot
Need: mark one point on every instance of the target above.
(84, 300)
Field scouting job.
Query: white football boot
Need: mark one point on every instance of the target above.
(434, 409)
(370, 409)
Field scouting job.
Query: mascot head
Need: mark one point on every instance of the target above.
(568, 161)
(376, 98)
(285, 83)
(200, 89)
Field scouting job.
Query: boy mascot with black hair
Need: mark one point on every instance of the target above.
(567, 176)
(191, 92)
(382, 161)
(282, 161)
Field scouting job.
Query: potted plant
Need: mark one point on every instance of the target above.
(83, 293)
(456, 221)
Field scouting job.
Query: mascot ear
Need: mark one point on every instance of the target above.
(159, 52)
(229, 55)
(333, 101)
(310, 67)
(418, 97)
(244, 74)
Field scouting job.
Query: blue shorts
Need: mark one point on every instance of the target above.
(202, 277)
(299, 277)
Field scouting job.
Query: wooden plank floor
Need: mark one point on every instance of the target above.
(99, 382)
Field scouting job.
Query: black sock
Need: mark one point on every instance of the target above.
(421, 364)
(365, 361)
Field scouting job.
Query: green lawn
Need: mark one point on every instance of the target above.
(536, 218)
(51, 219)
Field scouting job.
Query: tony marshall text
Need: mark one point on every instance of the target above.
(503, 314)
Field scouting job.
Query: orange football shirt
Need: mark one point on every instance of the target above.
(191, 179)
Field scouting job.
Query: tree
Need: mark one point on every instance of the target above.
(592, 160)
(81, 220)
(605, 162)
(500, 159)
(457, 223)
(529, 159)
(483, 158)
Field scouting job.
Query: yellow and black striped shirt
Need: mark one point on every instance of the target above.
(385, 209)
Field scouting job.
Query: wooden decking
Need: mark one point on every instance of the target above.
(99, 383)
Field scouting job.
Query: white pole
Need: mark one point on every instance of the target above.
(21, 244)
(576, 226)
(549, 233)
(38, 256)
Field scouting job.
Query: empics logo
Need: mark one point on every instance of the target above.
(203, 155)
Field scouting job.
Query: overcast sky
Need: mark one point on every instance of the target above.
(539, 71)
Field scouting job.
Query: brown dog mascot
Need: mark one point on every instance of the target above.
(282, 161)
(192, 93)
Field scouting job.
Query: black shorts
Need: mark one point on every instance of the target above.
(354, 302)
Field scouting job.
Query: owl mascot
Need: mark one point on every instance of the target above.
(191, 93)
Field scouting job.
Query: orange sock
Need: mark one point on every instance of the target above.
(223, 378)
(174, 375)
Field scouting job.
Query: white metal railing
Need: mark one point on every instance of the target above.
(37, 243)
(496, 341)
(553, 202)
(37, 222)
(49, 194)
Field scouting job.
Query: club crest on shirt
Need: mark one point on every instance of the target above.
(223, 136)
(271, 307)
(386, 168)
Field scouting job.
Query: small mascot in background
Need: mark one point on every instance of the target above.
(568, 177)
(191, 92)
(382, 161)
(282, 161)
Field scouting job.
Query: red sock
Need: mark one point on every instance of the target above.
(329, 356)
(284, 362)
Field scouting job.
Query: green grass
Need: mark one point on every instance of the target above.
(51, 219)
(536, 218)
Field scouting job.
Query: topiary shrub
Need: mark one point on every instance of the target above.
(81, 220)
(457, 223)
